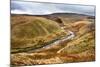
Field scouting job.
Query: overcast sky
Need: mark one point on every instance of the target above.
(36, 8)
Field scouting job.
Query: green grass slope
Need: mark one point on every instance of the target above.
(28, 31)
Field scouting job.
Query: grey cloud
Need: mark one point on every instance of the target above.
(46, 8)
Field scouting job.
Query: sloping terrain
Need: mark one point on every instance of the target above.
(59, 38)
(30, 32)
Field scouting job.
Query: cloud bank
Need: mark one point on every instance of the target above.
(36, 8)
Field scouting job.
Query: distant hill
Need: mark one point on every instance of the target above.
(61, 17)
(53, 14)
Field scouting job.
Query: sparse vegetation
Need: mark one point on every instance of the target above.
(31, 35)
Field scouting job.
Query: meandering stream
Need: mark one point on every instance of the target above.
(69, 36)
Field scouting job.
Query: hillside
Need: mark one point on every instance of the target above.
(51, 39)
(58, 17)
(28, 31)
